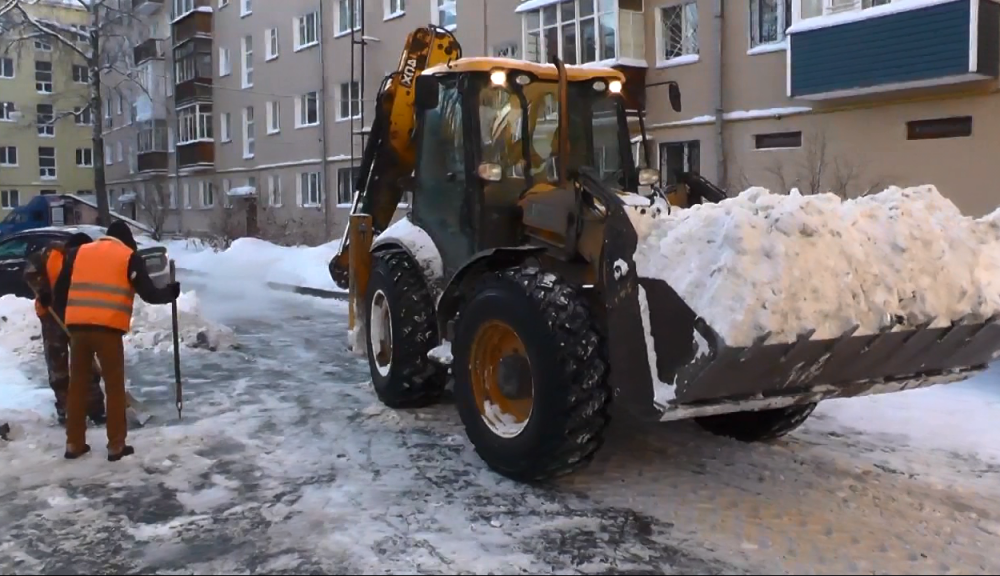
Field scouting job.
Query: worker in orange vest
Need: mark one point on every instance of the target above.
(42, 270)
(96, 289)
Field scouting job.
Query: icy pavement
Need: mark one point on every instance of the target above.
(285, 463)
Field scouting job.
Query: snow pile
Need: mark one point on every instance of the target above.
(764, 262)
(257, 261)
(152, 327)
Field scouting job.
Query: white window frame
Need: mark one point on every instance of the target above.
(82, 159)
(393, 9)
(120, 105)
(302, 110)
(119, 152)
(225, 62)
(596, 16)
(47, 130)
(205, 187)
(45, 86)
(354, 104)
(82, 78)
(225, 127)
(195, 124)
(43, 45)
(172, 196)
(274, 198)
(109, 157)
(223, 3)
(438, 6)
(4, 61)
(79, 112)
(784, 16)
(338, 26)
(273, 113)
(273, 48)
(9, 199)
(310, 184)
(48, 173)
(246, 50)
(183, 8)
(249, 133)
(302, 26)
(353, 184)
(690, 43)
(186, 193)
(5, 158)
(7, 109)
(246, 8)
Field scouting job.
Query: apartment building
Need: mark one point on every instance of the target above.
(261, 117)
(45, 121)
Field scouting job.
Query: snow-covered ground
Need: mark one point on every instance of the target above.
(285, 462)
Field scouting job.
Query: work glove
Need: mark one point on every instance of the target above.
(175, 290)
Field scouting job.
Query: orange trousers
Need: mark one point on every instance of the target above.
(109, 349)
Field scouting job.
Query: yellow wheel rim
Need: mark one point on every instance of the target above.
(494, 344)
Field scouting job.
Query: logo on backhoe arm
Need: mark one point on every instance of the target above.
(409, 71)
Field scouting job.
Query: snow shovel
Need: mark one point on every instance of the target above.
(178, 390)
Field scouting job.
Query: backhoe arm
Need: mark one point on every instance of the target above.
(390, 154)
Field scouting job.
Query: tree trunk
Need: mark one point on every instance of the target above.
(96, 115)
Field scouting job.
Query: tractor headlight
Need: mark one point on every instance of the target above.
(615, 86)
(498, 77)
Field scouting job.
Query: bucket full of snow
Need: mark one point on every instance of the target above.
(766, 295)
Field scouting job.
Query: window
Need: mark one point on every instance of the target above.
(192, 60)
(43, 77)
(553, 29)
(196, 123)
(186, 191)
(119, 105)
(85, 157)
(7, 110)
(307, 110)
(207, 190)
(445, 13)
(8, 155)
(47, 163)
(247, 61)
(46, 119)
(182, 7)
(249, 133)
(246, 7)
(778, 140)
(119, 152)
(6, 67)
(225, 64)
(272, 43)
(133, 161)
(273, 117)
(310, 189)
(172, 196)
(226, 127)
(306, 31)
(81, 74)
(679, 157)
(43, 45)
(768, 21)
(223, 3)
(678, 34)
(274, 190)
(346, 185)
(347, 16)
(9, 199)
(394, 8)
(957, 127)
(109, 158)
(153, 138)
(83, 116)
(349, 101)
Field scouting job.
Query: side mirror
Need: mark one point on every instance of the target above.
(674, 93)
(649, 177)
(490, 172)
(426, 96)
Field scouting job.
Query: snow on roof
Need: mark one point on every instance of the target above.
(127, 197)
(866, 14)
(127, 220)
(534, 5)
(242, 191)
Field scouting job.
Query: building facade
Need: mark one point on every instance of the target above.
(260, 109)
(45, 123)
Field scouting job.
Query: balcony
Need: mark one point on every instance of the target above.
(151, 49)
(894, 47)
(147, 7)
(196, 154)
(153, 146)
(193, 24)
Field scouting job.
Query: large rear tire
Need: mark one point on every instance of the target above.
(530, 375)
(758, 426)
(401, 329)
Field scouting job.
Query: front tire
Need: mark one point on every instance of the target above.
(759, 426)
(530, 375)
(401, 329)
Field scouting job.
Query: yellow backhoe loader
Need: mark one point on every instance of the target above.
(513, 273)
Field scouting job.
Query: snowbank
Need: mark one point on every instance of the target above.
(764, 262)
(20, 331)
(259, 262)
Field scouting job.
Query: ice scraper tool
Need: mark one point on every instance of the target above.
(178, 391)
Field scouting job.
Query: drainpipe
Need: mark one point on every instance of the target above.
(329, 205)
(720, 144)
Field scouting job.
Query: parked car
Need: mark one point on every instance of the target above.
(15, 249)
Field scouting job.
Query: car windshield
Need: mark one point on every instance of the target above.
(594, 139)
(12, 218)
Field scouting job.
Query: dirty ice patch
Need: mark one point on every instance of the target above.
(785, 264)
(17, 392)
(255, 261)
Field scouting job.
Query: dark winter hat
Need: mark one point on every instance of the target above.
(78, 239)
(121, 231)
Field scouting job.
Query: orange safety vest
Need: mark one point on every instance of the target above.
(53, 267)
(100, 293)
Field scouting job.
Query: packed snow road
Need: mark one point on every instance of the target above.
(285, 463)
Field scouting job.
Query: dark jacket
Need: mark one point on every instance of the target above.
(137, 274)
